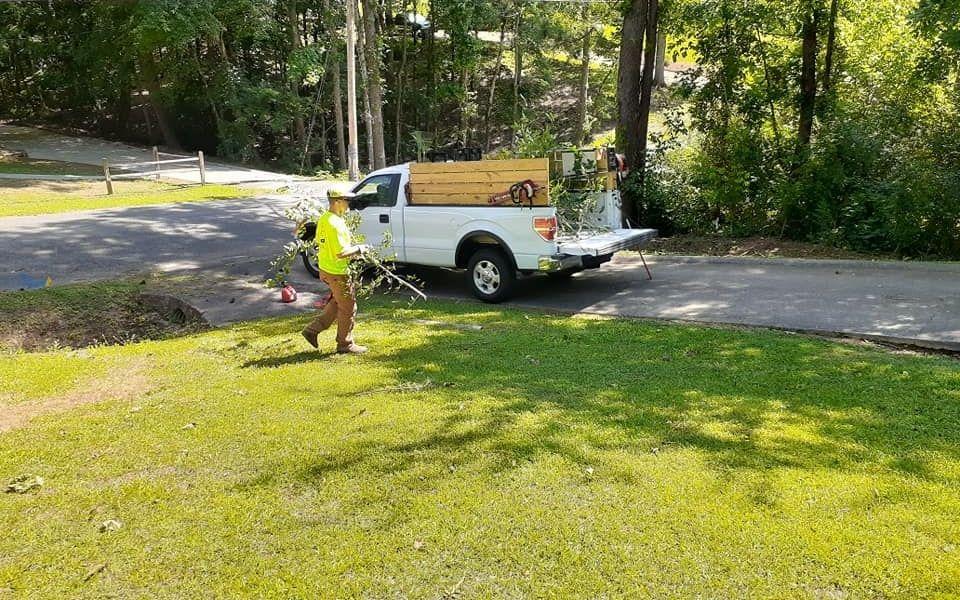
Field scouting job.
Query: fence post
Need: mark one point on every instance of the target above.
(106, 175)
(203, 168)
(156, 159)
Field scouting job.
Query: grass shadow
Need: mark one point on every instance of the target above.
(753, 401)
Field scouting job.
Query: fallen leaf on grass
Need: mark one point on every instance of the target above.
(96, 569)
(418, 545)
(189, 426)
(24, 484)
(110, 525)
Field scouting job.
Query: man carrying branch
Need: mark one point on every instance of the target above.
(335, 249)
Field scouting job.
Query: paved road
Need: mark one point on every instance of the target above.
(106, 243)
(48, 145)
(906, 301)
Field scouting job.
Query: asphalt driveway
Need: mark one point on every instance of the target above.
(902, 301)
(49, 145)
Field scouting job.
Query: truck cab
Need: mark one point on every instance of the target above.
(494, 244)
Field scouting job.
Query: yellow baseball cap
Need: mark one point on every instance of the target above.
(338, 194)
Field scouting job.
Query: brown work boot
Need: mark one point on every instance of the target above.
(311, 338)
(352, 349)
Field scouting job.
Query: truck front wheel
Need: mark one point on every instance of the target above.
(310, 262)
(490, 275)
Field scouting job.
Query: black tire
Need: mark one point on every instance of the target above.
(491, 276)
(310, 265)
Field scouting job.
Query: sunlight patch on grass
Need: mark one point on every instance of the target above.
(22, 198)
(540, 456)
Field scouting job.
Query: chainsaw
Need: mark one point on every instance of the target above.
(519, 193)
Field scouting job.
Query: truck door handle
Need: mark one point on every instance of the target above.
(384, 218)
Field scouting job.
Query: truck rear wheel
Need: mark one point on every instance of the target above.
(491, 276)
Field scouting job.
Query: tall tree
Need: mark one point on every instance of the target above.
(150, 79)
(646, 86)
(628, 83)
(583, 95)
(401, 84)
(353, 157)
(808, 73)
(294, 37)
(334, 50)
(831, 45)
(517, 68)
(365, 98)
(374, 83)
(493, 82)
(660, 77)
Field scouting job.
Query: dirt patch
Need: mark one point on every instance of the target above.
(120, 383)
(19, 188)
(97, 314)
(693, 245)
(12, 161)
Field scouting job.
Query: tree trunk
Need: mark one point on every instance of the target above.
(149, 78)
(768, 83)
(517, 70)
(493, 84)
(808, 79)
(583, 97)
(831, 46)
(660, 77)
(292, 27)
(464, 110)
(646, 85)
(367, 113)
(628, 85)
(401, 85)
(353, 158)
(122, 122)
(430, 123)
(374, 84)
(338, 115)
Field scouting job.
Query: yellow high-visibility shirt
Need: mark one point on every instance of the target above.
(333, 236)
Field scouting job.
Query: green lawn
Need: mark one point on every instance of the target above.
(20, 197)
(539, 457)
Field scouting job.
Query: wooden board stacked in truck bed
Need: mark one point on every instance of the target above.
(474, 183)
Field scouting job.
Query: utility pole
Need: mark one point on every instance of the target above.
(353, 156)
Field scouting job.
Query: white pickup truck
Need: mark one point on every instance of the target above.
(494, 244)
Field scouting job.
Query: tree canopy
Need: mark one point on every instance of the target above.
(827, 120)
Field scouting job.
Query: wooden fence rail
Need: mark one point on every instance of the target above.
(110, 171)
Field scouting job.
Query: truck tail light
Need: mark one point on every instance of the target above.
(546, 227)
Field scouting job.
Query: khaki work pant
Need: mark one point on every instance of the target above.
(342, 308)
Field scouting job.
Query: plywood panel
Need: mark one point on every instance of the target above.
(508, 177)
(469, 200)
(520, 164)
(473, 183)
(466, 188)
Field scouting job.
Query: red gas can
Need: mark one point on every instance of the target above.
(288, 294)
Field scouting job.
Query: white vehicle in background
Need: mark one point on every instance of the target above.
(494, 243)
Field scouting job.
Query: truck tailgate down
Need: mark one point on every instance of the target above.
(601, 244)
